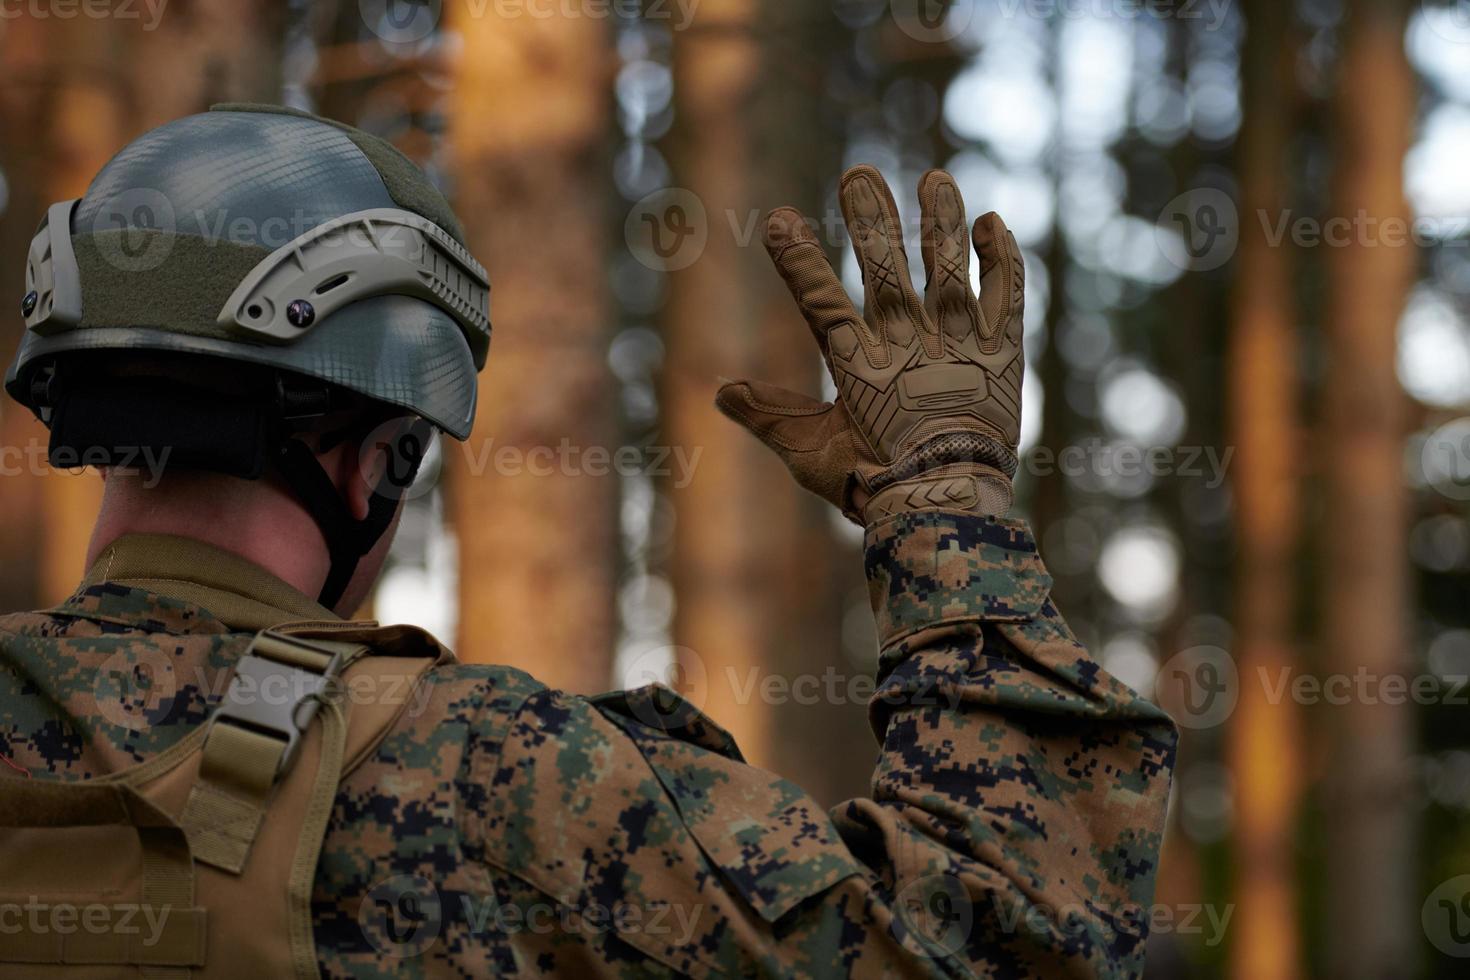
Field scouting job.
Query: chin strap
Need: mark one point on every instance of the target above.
(349, 539)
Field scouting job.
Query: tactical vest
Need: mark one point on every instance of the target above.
(199, 862)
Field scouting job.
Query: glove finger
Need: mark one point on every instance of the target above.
(892, 306)
(798, 256)
(948, 298)
(1002, 306)
(787, 421)
(1002, 282)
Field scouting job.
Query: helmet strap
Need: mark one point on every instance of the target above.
(348, 539)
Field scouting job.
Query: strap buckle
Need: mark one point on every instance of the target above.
(277, 689)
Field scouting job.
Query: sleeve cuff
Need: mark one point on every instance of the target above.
(930, 568)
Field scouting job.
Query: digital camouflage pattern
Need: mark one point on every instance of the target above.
(504, 828)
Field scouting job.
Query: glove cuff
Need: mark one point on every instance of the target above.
(948, 449)
(979, 490)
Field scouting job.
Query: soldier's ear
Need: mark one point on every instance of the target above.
(356, 469)
(378, 467)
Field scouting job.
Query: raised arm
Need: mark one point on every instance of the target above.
(1018, 806)
(1019, 803)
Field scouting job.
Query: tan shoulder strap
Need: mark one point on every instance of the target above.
(239, 810)
(254, 738)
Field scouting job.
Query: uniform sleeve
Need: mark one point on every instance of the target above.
(1013, 827)
(1018, 806)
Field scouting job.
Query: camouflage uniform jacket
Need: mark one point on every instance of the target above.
(503, 828)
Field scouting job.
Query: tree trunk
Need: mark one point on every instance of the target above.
(1263, 745)
(1371, 903)
(529, 117)
(26, 51)
(753, 561)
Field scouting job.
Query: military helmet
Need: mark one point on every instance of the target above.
(310, 254)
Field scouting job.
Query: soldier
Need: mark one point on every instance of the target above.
(197, 734)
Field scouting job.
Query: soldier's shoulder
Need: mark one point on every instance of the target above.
(649, 789)
(474, 701)
(111, 608)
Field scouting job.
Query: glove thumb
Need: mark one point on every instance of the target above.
(786, 421)
(813, 439)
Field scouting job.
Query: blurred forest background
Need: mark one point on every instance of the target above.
(1207, 193)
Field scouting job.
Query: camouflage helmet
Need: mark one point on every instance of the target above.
(293, 247)
(263, 234)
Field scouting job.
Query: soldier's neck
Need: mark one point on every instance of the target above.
(254, 519)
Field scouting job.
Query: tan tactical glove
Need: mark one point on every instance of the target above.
(929, 393)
